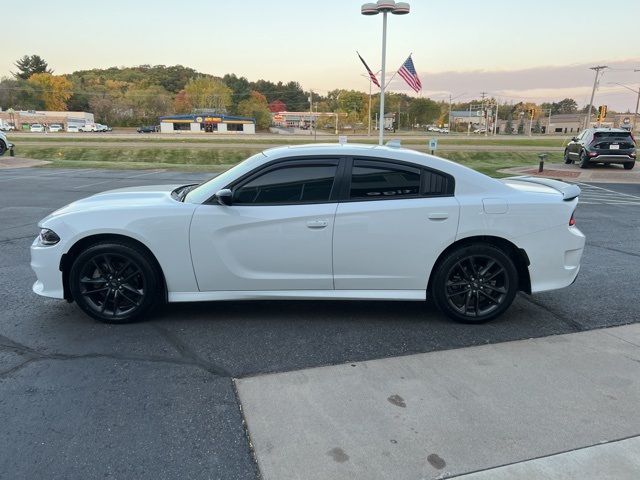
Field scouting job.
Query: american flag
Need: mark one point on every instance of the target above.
(371, 75)
(408, 72)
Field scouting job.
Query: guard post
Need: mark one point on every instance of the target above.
(542, 157)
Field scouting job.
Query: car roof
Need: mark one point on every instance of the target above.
(605, 129)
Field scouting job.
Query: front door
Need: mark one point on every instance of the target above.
(276, 234)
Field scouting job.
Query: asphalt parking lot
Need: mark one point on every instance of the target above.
(156, 400)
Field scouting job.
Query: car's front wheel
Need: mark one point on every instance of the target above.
(629, 165)
(475, 283)
(567, 157)
(115, 282)
(3, 148)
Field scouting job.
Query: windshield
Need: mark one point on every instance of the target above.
(209, 188)
(612, 134)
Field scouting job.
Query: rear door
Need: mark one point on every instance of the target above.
(394, 223)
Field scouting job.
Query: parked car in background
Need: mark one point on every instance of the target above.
(148, 129)
(340, 222)
(73, 129)
(88, 127)
(55, 127)
(37, 127)
(6, 126)
(4, 144)
(102, 128)
(602, 145)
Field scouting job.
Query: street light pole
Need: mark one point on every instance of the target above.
(384, 7)
(635, 115)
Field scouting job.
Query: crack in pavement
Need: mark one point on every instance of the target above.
(613, 249)
(188, 358)
(576, 326)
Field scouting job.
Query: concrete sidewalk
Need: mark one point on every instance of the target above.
(450, 413)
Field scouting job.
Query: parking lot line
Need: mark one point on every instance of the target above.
(54, 174)
(117, 179)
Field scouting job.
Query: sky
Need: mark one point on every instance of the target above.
(513, 50)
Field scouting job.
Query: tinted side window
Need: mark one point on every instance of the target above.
(434, 183)
(295, 184)
(369, 181)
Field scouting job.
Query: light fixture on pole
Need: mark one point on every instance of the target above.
(384, 7)
(635, 115)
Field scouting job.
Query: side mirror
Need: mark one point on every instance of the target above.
(574, 139)
(224, 196)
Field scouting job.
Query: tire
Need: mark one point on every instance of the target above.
(3, 148)
(567, 159)
(629, 165)
(584, 159)
(115, 282)
(460, 295)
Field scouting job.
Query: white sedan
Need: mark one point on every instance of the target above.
(352, 222)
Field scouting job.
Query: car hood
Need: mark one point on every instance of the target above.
(121, 198)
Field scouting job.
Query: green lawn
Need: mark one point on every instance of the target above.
(275, 140)
(217, 159)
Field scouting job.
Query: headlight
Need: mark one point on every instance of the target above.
(48, 237)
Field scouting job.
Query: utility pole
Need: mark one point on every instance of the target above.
(635, 116)
(495, 122)
(369, 128)
(549, 122)
(484, 113)
(593, 92)
(531, 121)
(450, 113)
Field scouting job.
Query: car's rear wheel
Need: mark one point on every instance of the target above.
(115, 282)
(3, 148)
(474, 284)
(629, 165)
(567, 158)
(584, 159)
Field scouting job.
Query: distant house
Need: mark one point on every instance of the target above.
(277, 106)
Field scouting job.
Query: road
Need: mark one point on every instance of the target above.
(156, 400)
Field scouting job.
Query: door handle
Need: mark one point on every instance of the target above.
(438, 216)
(317, 224)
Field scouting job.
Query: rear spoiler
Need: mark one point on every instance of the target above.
(569, 191)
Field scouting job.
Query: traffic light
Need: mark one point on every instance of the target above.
(602, 113)
(532, 112)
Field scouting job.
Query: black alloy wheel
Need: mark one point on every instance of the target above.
(114, 283)
(475, 284)
(629, 165)
(3, 148)
(567, 157)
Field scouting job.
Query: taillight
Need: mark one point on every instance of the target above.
(572, 220)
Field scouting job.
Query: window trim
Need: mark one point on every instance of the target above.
(312, 160)
(400, 164)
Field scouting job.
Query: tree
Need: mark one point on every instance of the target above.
(240, 87)
(54, 90)
(567, 105)
(147, 104)
(424, 111)
(28, 65)
(537, 128)
(508, 127)
(256, 106)
(521, 126)
(208, 93)
(181, 103)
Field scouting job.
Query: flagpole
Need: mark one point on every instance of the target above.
(369, 130)
(382, 85)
